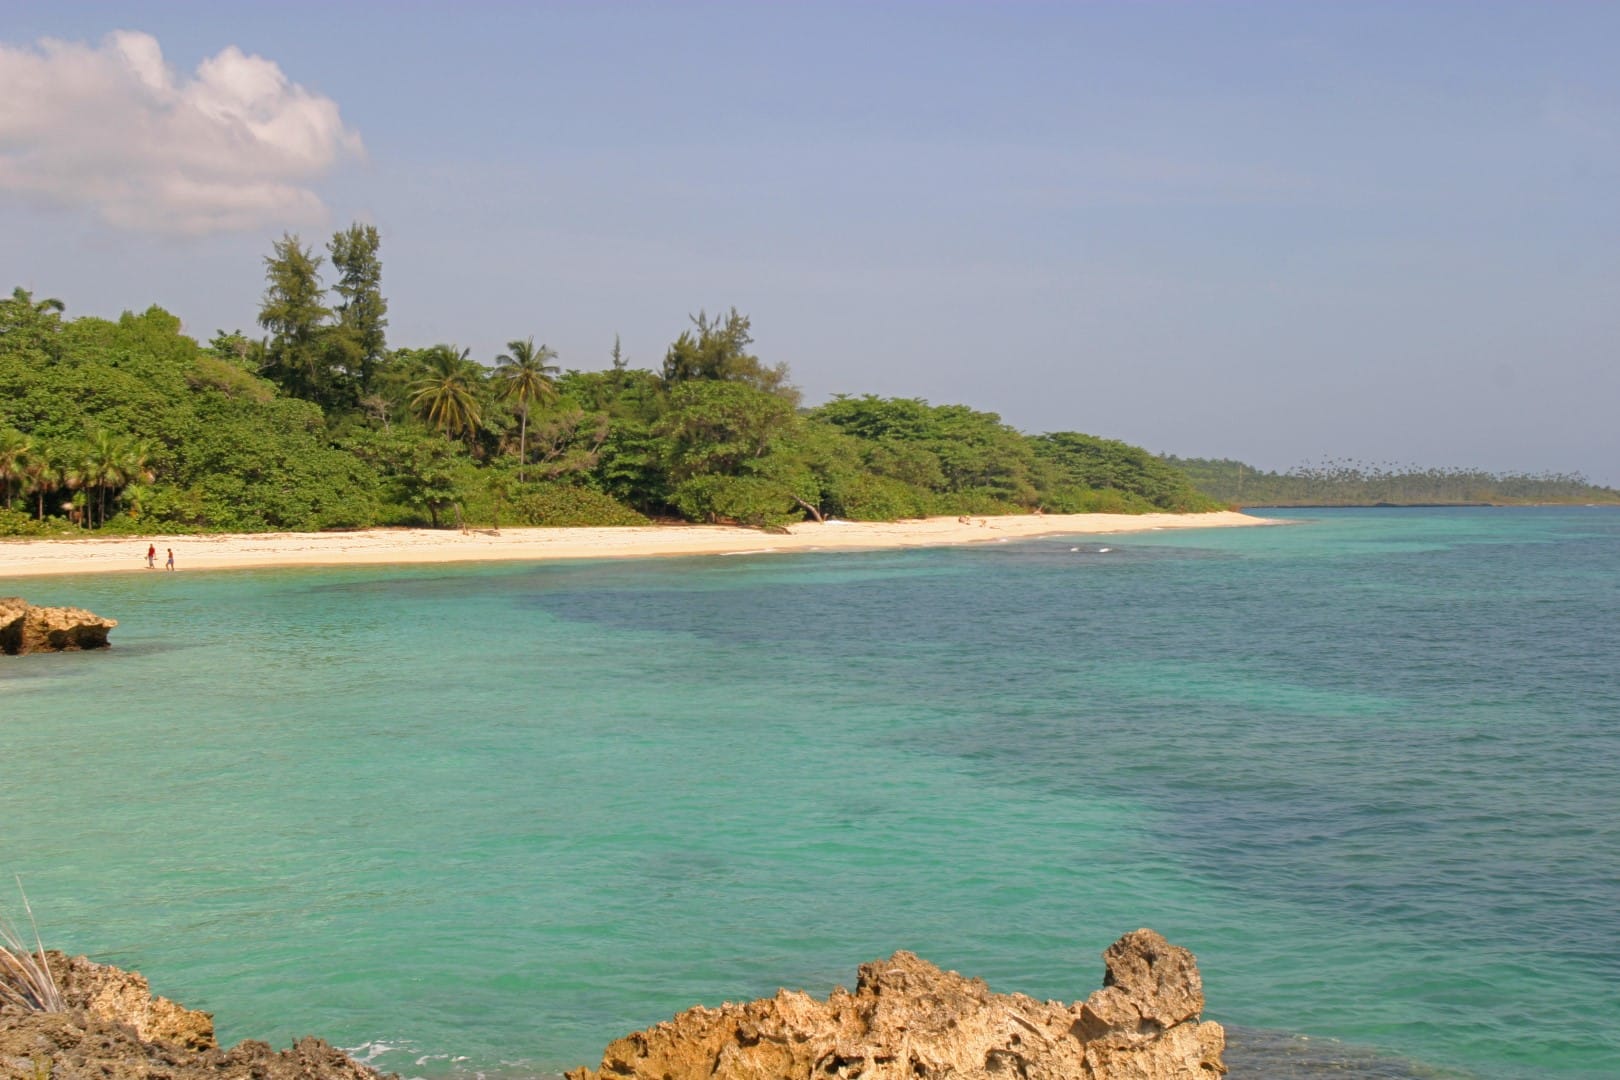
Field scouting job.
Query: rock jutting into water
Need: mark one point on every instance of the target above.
(114, 1028)
(908, 1019)
(25, 628)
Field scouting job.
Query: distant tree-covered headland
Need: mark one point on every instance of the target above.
(320, 423)
(1354, 483)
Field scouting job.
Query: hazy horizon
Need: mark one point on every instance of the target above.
(1267, 231)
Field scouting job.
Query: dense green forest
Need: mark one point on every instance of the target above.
(1354, 483)
(131, 426)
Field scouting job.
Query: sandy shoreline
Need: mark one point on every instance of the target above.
(372, 547)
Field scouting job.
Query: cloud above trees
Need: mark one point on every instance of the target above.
(114, 128)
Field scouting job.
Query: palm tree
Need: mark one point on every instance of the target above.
(110, 464)
(524, 374)
(446, 396)
(76, 501)
(25, 299)
(137, 468)
(77, 505)
(43, 473)
(34, 322)
(101, 468)
(14, 450)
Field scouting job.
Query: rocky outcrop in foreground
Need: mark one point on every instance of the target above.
(26, 629)
(115, 1029)
(908, 1019)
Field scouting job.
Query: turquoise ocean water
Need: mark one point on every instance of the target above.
(487, 819)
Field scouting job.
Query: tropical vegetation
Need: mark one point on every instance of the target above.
(1358, 483)
(320, 423)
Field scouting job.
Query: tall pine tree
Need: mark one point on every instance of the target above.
(362, 314)
(294, 311)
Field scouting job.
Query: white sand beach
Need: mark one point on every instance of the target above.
(96, 555)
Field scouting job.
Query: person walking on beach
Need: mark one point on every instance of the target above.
(170, 564)
(151, 556)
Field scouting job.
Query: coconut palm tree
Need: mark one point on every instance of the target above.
(137, 467)
(48, 306)
(524, 375)
(100, 468)
(32, 322)
(14, 450)
(109, 465)
(447, 395)
(22, 311)
(42, 474)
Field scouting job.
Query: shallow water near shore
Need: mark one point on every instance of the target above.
(487, 819)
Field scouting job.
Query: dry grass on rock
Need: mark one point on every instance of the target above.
(25, 978)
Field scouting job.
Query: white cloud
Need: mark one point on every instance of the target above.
(114, 128)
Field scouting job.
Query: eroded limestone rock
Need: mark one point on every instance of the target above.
(114, 1028)
(125, 997)
(25, 628)
(908, 1019)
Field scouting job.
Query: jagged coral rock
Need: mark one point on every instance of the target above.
(115, 1029)
(125, 997)
(908, 1019)
(25, 628)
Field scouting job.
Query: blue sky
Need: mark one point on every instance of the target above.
(1279, 232)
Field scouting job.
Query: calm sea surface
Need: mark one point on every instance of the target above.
(488, 819)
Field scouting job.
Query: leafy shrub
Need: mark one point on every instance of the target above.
(1084, 500)
(17, 523)
(865, 497)
(564, 506)
(1085, 462)
(744, 500)
(167, 508)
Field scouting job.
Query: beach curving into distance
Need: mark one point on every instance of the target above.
(376, 547)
